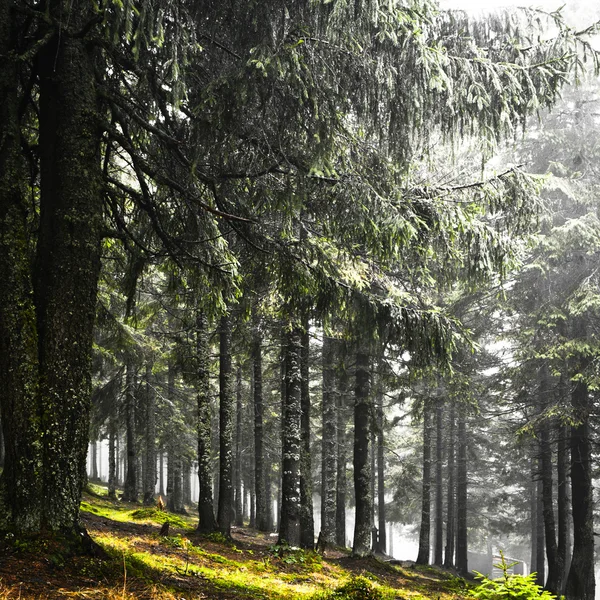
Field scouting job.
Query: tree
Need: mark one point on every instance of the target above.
(126, 110)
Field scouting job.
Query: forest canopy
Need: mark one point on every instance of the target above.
(180, 175)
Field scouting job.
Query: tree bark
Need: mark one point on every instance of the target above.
(307, 523)
(112, 457)
(206, 515)
(461, 497)
(382, 543)
(328, 445)
(130, 486)
(424, 532)
(581, 581)
(362, 471)
(67, 264)
(262, 522)
(289, 524)
(451, 505)
(226, 407)
(553, 583)
(238, 500)
(150, 454)
(564, 533)
(342, 443)
(439, 493)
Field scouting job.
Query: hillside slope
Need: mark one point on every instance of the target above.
(141, 564)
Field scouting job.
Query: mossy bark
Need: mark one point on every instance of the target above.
(289, 524)
(362, 466)
(262, 522)
(48, 307)
(206, 514)
(329, 442)
(307, 522)
(226, 412)
(425, 528)
(21, 481)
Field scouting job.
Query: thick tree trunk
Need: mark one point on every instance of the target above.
(226, 408)
(45, 373)
(1, 443)
(461, 497)
(21, 482)
(342, 443)
(150, 441)
(206, 515)
(67, 260)
(439, 492)
(307, 523)
(425, 529)
(130, 486)
(289, 525)
(238, 500)
(262, 521)
(580, 581)
(328, 445)
(451, 506)
(362, 471)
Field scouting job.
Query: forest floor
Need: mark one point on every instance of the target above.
(142, 564)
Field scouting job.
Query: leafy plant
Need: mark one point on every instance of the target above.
(521, 587)
(357, 588)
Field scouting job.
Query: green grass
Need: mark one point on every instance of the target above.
(142, 564)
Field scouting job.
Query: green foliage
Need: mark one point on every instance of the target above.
(295, 556)
(217, 537)
(357, 588)
(521, 587)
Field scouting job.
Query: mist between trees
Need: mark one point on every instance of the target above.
(345, 250)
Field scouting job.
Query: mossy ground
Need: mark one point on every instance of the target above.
(185, 565)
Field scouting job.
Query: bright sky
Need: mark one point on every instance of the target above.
(579, 12)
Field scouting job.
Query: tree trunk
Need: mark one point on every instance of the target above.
(262, 521)
(112, 457)
(21, 483)
(553, 583)
(382, 544)
(451, 508)
(439, 493)
(461, 497)
(580, 581)
(206, 515)
(161, 474)
(67, 263)
(424, 532)
(289, 525)
(130, 485)
(564, 533)
(150, 454)
(1, 444)
(45, 351)
(342, 443)
(94, 460)
(226, 407)
(239, 505)
(307, 523)
(187, 483)
(362, 471)
(328, 446)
